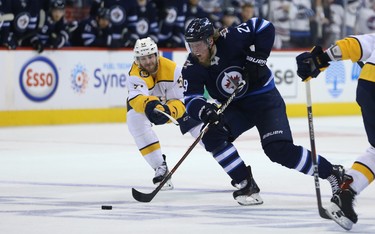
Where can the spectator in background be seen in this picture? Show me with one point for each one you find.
(94, 31)
(366, 18)
(343, 19)
(172, 22)
(214, 10)
(24, 28)
(55, 33)
(123, 16)
(229, 18)
(321, 23)
(147, 24)
(5, 8)
(247, 12)
(194, 10)
(300, 31)
(281, 13)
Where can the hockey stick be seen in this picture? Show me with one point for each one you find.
(147, 197)
(322, 211)
(7, 17)
(173, 120)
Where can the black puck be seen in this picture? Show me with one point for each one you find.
(106, 207)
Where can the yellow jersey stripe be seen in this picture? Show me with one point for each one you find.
(150, 148)
(363, 169)
(350, 49)
(368, 72)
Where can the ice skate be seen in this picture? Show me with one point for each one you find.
(335, 179)
(160, 173)
(248, 191)
(341, 208)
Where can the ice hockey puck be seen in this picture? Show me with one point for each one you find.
(106, 207)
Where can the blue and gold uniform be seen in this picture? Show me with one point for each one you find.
(165, 86)
(154, 82)
(361, 49)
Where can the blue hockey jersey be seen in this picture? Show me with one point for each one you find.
(235, 49)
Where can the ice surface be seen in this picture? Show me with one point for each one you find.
(54, 179)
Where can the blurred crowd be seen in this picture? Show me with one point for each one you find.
(119, 23)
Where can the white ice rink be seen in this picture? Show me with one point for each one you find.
(54, 179)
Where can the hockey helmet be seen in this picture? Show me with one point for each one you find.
(145, 46)
(57, 4)
(199, 29)
(103, 13)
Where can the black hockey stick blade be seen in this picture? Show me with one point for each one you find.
(143, 197)
(323, 213)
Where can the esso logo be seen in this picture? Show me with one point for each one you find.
(39, 79)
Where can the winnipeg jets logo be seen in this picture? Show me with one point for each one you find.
(232, 81)
(228, 80)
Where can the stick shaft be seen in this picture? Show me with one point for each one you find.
(314, 159)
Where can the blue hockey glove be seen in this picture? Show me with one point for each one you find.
(208, 114)
(310, 64)
(187, 123)
(156, 117)
(255, 67)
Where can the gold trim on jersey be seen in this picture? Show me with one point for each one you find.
(350, 48)
(363, 169)
(368, 72)
(177, 108)
(139, 102)
(150, 148)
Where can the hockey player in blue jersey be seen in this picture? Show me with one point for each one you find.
(123, 15)
(55, 33)
(147, 24)
(218, 60)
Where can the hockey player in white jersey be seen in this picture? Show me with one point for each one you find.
(155, 82)
(362, 172)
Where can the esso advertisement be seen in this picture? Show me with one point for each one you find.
(39, 79)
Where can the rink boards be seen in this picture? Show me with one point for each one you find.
(88, 86)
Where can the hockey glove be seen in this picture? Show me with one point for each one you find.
(255, 67)
(208, 114)
(310, 64)
(38, 46)
(11, 43)
(154, 116)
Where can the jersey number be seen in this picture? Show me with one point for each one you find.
(243, 28)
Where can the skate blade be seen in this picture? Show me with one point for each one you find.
(336, 214)
(253, 199)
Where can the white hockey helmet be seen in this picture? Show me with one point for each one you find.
(145, 46)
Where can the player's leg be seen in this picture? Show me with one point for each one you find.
(218, 140)
(362, 172)
(277, 142)
(149, 146)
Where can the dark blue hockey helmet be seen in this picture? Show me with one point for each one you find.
(199, 29)
(57, 4)
(103, 13)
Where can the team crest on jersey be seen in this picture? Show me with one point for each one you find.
(144, 73)
(118, 15)
(228, 81)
